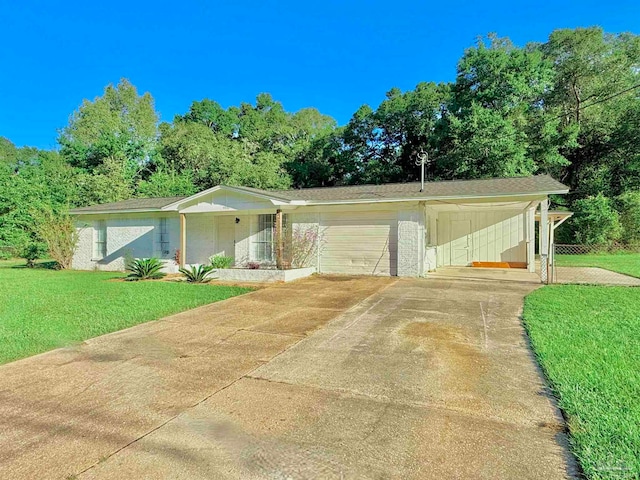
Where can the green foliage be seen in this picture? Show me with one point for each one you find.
(198, 274)
(628, 204)
(60, 235)
(595, 221)
(145, 269)
(113, 138)
(221, 261)
(32, 252)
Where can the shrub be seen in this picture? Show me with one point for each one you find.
(32, 252)
(595, 222)
(301, 246)
(221, 261)
(199, 274)
(628, 205)
(59, 233)
(253, 265)
(145, 269)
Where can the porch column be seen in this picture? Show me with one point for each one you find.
(279, 242)
(544, 241)
(531, 239)
(183, 239)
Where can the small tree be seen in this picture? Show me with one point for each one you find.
(32, 252)
(59, 233)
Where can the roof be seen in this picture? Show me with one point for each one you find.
(494, 187)
(131, 205)
(450, 189)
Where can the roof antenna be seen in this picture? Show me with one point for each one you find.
(423, 158)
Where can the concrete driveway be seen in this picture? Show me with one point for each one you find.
(332, 377)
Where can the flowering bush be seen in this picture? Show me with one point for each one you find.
(301, 247)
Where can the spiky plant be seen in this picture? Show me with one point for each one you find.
(144, 269)
(199, 274)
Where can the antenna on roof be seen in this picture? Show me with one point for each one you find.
(423, 158)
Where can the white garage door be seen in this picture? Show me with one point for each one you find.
(359, 243)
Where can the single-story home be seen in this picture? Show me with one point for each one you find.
(392, 229)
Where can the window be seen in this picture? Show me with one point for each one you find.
(100, 240)
(163, 238)
(264, 238)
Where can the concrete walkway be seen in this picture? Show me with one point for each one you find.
(412, 379)
(594, 276)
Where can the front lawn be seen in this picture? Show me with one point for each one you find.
(587, 339)
(628, 263)
(43, 309)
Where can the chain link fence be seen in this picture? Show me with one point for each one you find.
(594, 264)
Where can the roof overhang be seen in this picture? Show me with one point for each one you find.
(275, 199)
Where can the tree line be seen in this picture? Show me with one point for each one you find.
(569, 107)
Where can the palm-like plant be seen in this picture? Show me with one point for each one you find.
(199, 274)
(144, 269)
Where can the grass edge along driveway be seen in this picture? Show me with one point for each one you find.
(587, 340)
(43, 309)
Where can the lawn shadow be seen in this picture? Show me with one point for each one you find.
(46, 265)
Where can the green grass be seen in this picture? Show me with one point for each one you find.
(587, 339)
(42, 309)
(628, 263)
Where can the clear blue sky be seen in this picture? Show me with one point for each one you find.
(333, 55)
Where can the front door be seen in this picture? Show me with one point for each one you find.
(225, 235)
(460, 242)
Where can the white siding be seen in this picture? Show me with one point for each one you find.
(362, 242)
(495, 236)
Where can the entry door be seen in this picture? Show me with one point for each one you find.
(225, 235)
(460, 242)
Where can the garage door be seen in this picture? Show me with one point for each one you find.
(359, 243)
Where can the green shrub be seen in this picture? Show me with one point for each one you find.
(32, 252)
(199, 274)
(145, 269)
(628, 205)
(595, 221)
(221, 261)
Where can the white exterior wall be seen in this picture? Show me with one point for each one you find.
(200, 238)
(496, 236)
(135, 235)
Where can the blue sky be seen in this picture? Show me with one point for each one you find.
(331, 55)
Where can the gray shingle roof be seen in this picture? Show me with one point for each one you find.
(538, 184)
(493, 187)
(130, 205)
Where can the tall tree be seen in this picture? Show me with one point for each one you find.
(113, 139)
(497, 123)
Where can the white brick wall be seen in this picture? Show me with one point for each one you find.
(410, 243)
(129, 235)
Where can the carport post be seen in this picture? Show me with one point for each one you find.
(183, 239)
(544, 241)
(530, 217)
(279, 240)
